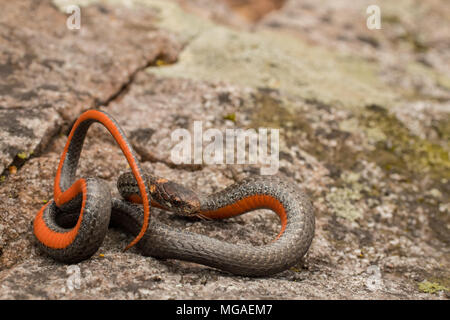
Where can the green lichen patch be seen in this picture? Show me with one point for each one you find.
(268, 108)
(386, 140)
(266, 59)
(371, 135)
(230, 116)
(24, 155)
(438, 78)
(271, 111)
(431, 287)
(343, 200)
(398, 150)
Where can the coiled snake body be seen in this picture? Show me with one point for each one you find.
(72, 227)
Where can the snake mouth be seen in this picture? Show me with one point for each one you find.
(201, 216)
(185, 207)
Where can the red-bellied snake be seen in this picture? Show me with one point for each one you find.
(72, 226)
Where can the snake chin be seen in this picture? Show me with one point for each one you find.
(186, 208)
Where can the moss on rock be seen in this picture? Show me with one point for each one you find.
(431, 287)
(398, 150)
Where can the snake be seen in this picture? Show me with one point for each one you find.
(71, 227)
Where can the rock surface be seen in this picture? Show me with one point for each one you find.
(364, 130)
(49, 73)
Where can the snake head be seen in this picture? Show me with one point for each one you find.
(175, 197)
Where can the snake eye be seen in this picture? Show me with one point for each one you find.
(176, 201)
